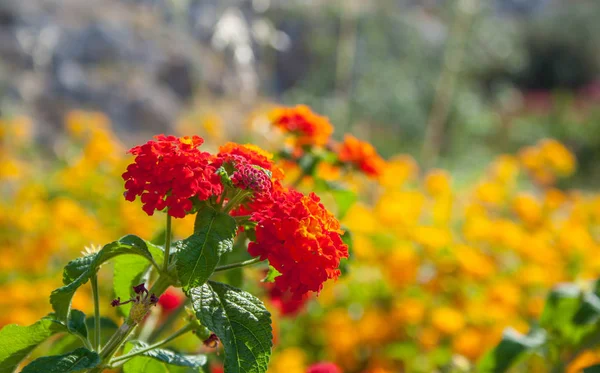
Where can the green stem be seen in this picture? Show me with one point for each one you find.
(238, 265)
(233, 202)
(113, 344)
(167, 243)
(121, 335)
(95, 295)
(124, 358)
(160, 285)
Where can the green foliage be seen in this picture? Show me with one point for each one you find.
(512, 347)
(73, 361)
(344, 199)
(147, 364)
(69, 342)
(592, 369)
(567, 314)
(169, 357)
(16, 342)
(570, 320)
(77, 324)
(240, 320)
(79, 271)
(271, 275)
(198, 255)
(130, 270)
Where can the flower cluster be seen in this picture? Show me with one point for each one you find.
(547, 160)
(298, 236)
(301, 239)
(361, 155)
(315, 151)
(307, 127)
(168, 173)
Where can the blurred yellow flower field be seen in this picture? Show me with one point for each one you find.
(439, 266)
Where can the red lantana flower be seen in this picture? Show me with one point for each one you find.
(168, 172)
(362, 155)
(284, 301)
(254, 155)
(301, 239)
(308, 127)
(250, 163)
(324, 367)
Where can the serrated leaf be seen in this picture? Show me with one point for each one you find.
(198, 255)
(73, 361)
(169, 357)
(76, 268)
(241, 322)
(86, 267)
(129, 271)
(512, 346)
(143, 364)
(76, 324)
(16, 342)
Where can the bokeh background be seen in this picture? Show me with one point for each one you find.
(478, 215)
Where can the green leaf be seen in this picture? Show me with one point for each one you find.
(344, 199)
(73, 361)
(144, 364)
(512, 346)
(592, 369)
(561, 305)
(141, 364)
(589, 310)
(107, 327)
(169, 357)
(64, 343)
(568, 315)
(76, 268)
(271, 275)
(240, 320)
(85, 267)
(76, 324)
(16, 342)
(349, 241)
(129, 271)
(198, 255)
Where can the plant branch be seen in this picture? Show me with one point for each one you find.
(123, 358)
(238, 265)
(167, 244)
(96, 297)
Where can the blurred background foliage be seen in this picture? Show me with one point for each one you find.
(490, 75)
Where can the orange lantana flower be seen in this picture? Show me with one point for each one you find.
(308, 127)
(362, 155)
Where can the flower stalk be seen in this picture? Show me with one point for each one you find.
(238, 265)
(119, 360)
(96, 297)
(167, 244)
